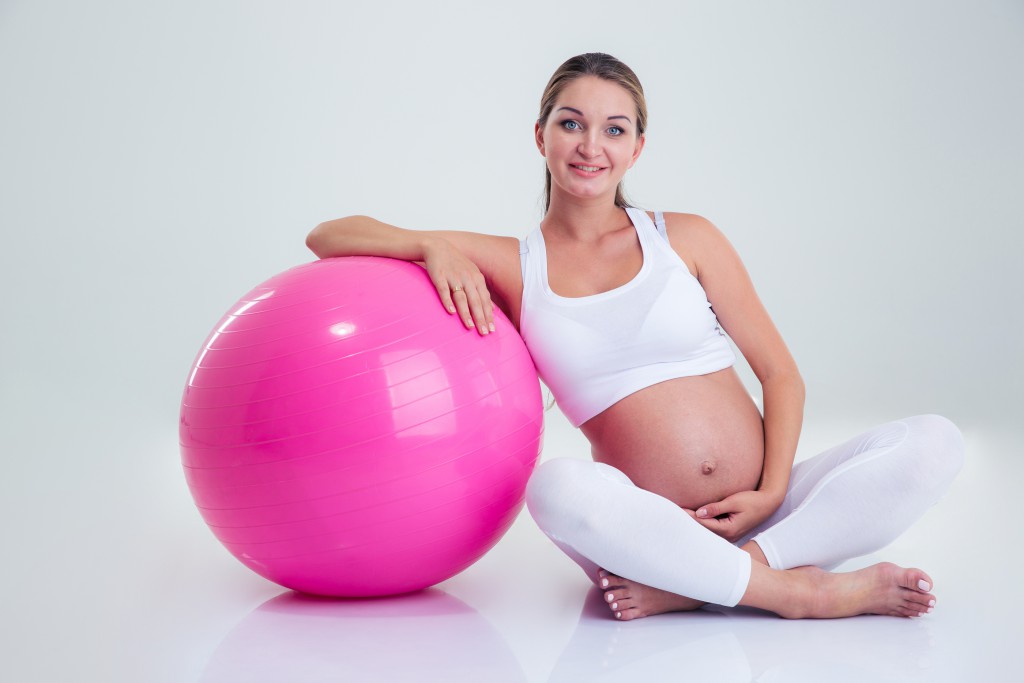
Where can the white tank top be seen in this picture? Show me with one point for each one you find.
(593, 351)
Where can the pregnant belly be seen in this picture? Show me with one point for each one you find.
(693, 440)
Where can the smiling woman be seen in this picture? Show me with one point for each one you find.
(599, 73)
(693, 496)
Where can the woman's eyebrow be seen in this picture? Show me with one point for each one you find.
(579, 113)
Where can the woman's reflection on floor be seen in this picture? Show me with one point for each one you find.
(726, 645)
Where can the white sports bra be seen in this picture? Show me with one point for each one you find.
(593, 351)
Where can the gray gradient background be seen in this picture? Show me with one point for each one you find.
(157, 160)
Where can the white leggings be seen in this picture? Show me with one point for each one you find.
(845, 502)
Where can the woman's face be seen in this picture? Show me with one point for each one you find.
(590, 139)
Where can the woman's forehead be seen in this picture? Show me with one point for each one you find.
(593, 96)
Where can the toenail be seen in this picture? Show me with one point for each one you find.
(604, 583)
(615, 605)
(924, 585)
(931, 603)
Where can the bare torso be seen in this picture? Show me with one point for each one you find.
(693, 440)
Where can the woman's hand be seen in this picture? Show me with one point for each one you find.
(460, 284)
(734, 516)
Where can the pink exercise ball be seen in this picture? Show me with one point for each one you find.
(343, 435)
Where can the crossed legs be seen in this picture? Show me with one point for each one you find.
(845, 502)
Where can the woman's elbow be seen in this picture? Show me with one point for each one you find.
(321, 238)
(788, 377)
(314, 240)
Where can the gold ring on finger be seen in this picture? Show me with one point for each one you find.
(457, 288)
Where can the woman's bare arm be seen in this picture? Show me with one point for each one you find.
(457, 262)
(365, 236)
(743, 316)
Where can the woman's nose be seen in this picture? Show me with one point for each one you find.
(589, 145)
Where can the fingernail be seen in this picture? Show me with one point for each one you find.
(615, 605)
(618, 615)
(931, 603)
(920, 614)
(451, 309)
(604, 583)
(610, 597)
(702, 512)
(930, 610)
(491, 325)
(924, 585)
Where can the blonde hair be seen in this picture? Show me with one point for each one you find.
(603, 66)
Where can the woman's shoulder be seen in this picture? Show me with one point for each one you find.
(694, 230)
(680, 222)
(694, 238)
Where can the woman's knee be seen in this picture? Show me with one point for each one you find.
(551, 487)
(564, 495)
(940, 444)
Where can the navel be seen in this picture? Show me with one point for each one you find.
(707, 467)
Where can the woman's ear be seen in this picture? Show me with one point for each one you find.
(639, 148)
(538, 135)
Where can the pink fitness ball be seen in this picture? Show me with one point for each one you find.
(343, 435)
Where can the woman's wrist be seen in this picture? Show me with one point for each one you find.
(776, 493)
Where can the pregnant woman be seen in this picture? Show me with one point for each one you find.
(692, 496)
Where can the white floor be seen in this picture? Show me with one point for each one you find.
(112, 576)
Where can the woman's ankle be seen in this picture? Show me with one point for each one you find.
(755, 552)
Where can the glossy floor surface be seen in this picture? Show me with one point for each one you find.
(115, 578)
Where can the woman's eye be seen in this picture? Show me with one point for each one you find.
(570, 125)
(615, 130)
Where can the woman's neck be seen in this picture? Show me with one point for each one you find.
(586, 220)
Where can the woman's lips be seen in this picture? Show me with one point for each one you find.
(586, 170)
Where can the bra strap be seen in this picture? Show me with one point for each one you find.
(659, 223)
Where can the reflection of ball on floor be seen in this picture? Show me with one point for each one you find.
(343, 435)
(428, 637)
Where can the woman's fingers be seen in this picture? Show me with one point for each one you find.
(474, 306)
(462, 288)
(711, 510)
(444, 290)
(481, 307)
(461, 299)
(724, 527)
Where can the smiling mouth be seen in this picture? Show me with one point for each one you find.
(588, 169)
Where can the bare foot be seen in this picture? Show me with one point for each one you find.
(883, 588)
(631, 600)
(807, 593)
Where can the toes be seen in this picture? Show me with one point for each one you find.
(627, 614)
(914, 609)
(622, 604)
(616, 595)
(908, 610)
(916, 580)
(921, 600)
(610, 581)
